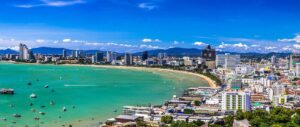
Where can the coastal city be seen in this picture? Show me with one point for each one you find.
(243, 92)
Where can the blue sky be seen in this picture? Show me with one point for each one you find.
(136, 25)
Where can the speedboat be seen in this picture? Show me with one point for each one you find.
(46, 86)
(33, 95)
(42, 113)
(51, 102)
(16, 115)
(64, 109)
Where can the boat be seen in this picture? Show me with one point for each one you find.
(36, 118)
(16, 115)
(7, 91)
(42, 113)
(46, 86)
(51, 102)
(3, 119)
(64, 109)
(33, 95)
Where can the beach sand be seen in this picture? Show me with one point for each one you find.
(209, 81)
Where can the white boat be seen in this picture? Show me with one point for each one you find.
(33, 95)
(46, 86)
(64, 109)
(42, 113)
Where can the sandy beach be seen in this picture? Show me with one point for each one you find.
(209, 81)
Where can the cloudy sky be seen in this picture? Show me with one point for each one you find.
(136, 25)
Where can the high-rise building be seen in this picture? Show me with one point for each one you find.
(162, 55)
(128, 59)
(227, 61)
(24, 52)
(293, 59)
(145, 55)
(273, 60)
(208, 54)
(232, 101)
(64, 53)
(74, 53)
(298, 70)
(98, 57)
(110, 56)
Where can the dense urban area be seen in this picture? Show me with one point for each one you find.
(252, 92)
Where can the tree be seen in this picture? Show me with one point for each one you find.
(197, 103)
(296, 119)
(239, 115)
(228, 120)
(188, 111)
(167, 119)
(183, 124)
(198, 123)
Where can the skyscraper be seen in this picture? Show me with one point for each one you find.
(24, 52)
(227, 61)
(145, 55)
(110, 56)
(99, 57)
(64, 53)
(128, 59)
(208, 54)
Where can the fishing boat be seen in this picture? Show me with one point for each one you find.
(33, 95)
(51, 102)
(16, 115)
(64, 109)
(7, 91)
(36, 118)
(42, 113)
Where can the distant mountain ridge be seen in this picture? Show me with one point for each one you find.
(179, 52)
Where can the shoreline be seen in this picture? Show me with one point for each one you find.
(210, 82)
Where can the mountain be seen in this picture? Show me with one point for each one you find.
(8, 51)
(58, 51)
(174, 52)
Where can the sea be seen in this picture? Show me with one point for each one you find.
(90, 95)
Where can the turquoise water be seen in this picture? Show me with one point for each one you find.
(90, 94)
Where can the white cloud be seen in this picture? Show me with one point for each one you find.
(52, 3)
(241, 45)
(296, 46)
(149, 47)
(199, 43)
(148, 40)
(40, 40)
(270, 47)
(147, 6)
(67, 40)
(295, 39)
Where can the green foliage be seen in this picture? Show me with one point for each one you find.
(183, 124)
(167, 119)
(188, 111)
(228, 120)
(296, 119)
(198, 123)
(239, 115)
(197, 103)
(278, 117)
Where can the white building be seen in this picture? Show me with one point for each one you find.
(227, 61)
(297, 70)
(110, 56)
(232, 101)
(24, 52)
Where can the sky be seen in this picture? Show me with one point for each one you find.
(137, 25)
